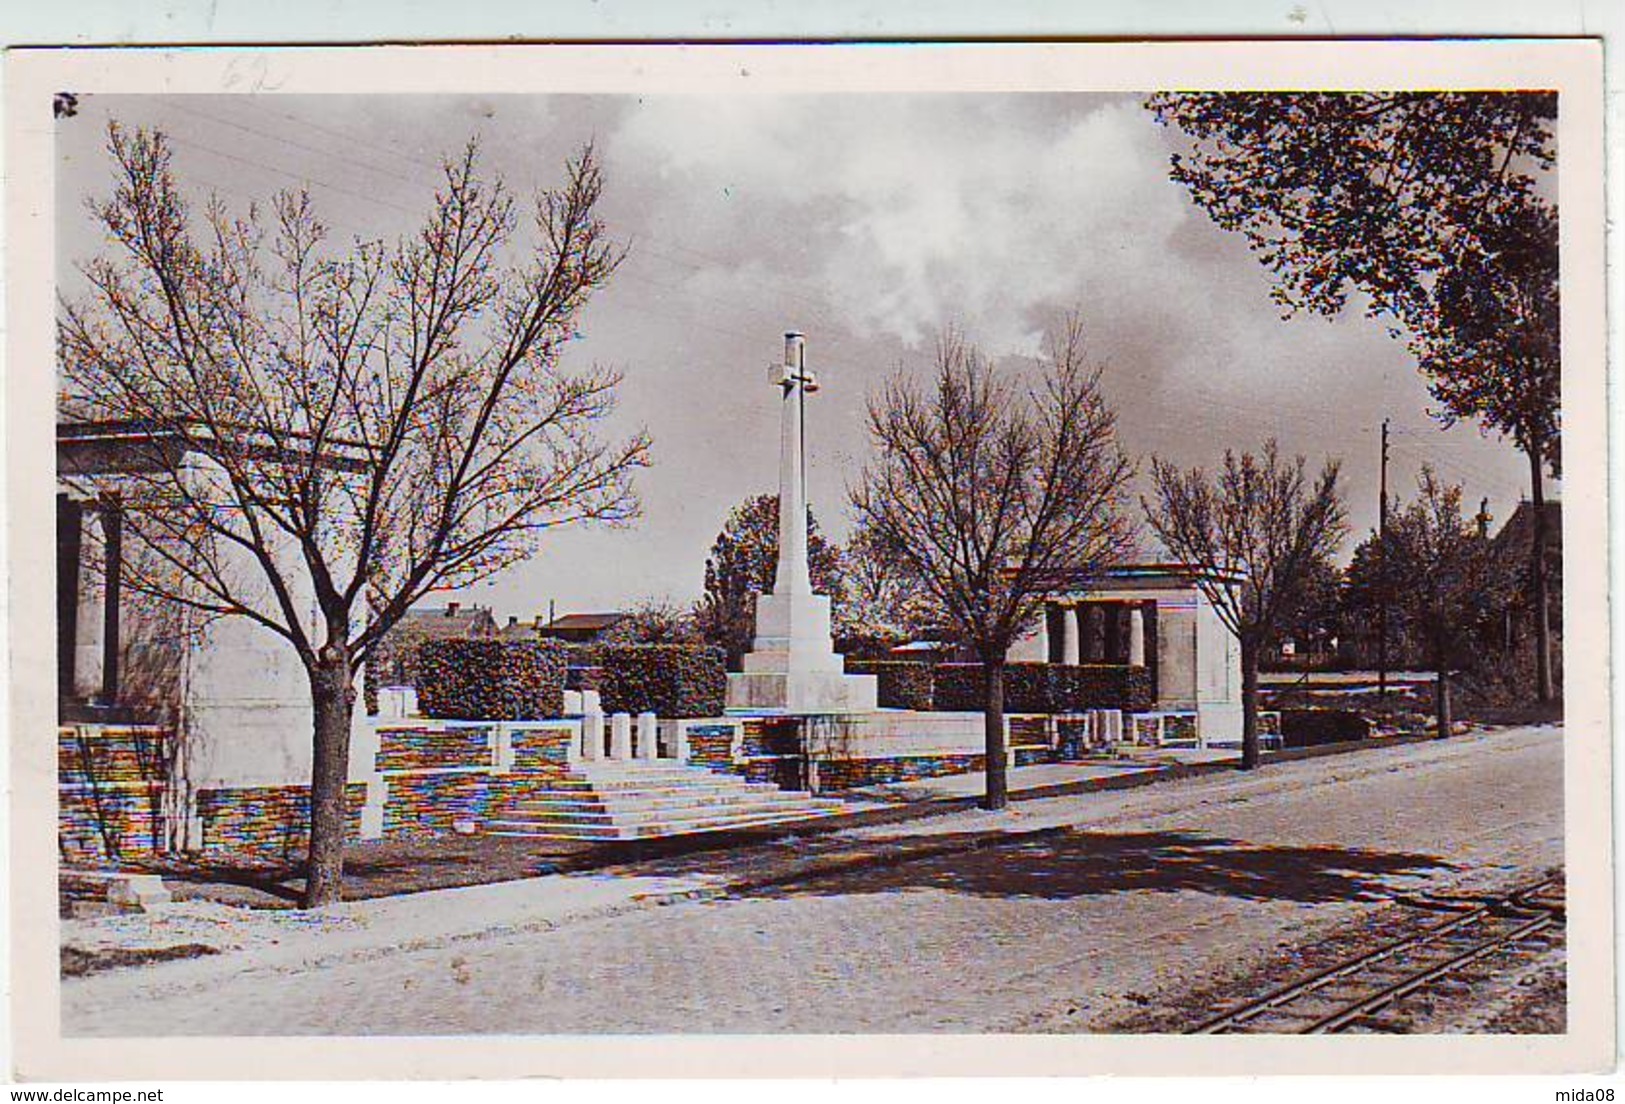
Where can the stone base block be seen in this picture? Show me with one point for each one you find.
(792, 635)
(803, 692)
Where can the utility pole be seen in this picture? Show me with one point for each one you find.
(1382, 572)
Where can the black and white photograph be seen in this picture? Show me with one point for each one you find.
(777, 543)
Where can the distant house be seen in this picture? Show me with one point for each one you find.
(1511, 546)
(517, 630)
(393, 661)
(580, 628)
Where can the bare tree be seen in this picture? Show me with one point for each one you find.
(884, 604)
(366, 425)
(988, 495)
(1255, 529)
(655, 621)
(1453, 585)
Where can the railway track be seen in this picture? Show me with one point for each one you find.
(1353, 995)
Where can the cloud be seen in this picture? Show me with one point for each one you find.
(911, 212)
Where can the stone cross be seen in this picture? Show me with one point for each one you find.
(796, 383)
(792, 666)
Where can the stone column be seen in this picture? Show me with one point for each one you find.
(1136, 635)
(112, 589)
(1092, 626)
(1069, 638)
(90, 616)
(68, 544)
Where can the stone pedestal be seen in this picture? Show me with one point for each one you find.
(793, 665)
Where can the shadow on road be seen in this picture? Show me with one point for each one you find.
(1058, 866)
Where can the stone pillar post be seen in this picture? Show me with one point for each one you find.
(648, 736)
(620, 736)
(1136, 635)
(1069, 638)
(592, 736)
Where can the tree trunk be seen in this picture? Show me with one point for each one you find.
(1545, 688)
(333, 698)
(1249, 704)
(998, 784)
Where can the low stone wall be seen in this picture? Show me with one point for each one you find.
(270, 821)
(109, 824)
(433, 775)
(711, 743)
(111, 786)
(541, 748)
(848, 774)
(426, 805)
(829, 754)
(433, 745)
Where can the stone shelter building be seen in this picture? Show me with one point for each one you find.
(1153, 615)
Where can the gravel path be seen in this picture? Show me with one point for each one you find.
(1155, 892)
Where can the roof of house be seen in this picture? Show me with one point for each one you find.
(585, 621)
(444, 622)
(516, 629)
(1517, 531)
(1129, 574)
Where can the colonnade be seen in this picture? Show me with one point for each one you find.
(1098, 631)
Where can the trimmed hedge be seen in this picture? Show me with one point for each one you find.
(1101, 686)
(671, 680)
(903, 684)
(1313, 727)
(491, 680)
(1045, 687)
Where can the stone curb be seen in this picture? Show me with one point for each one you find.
(629, 852)
(942, 806)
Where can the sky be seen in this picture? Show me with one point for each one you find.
(869, 223)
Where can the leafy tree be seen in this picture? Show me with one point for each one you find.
(1366, 582)
(1494, 353)
(885, 605)
(990, 496)
(1257, 528)
(1432, 204)
(744, 563)
(1453, 588)
(1311, 615)
(364, 425)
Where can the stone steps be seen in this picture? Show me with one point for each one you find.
(652, 830)
(633, 803)
(624, 800)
